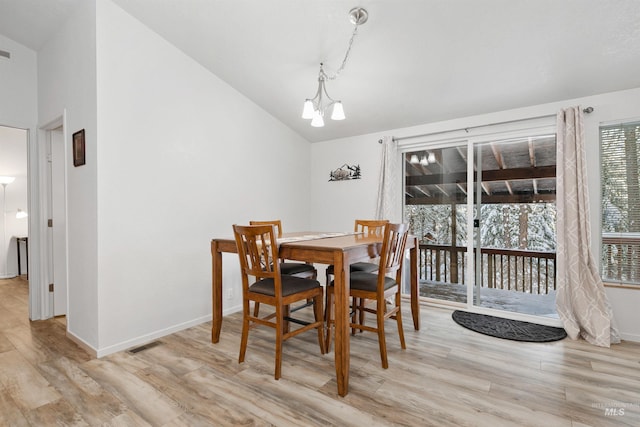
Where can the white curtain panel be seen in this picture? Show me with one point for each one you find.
(389, 185)
(581, 300)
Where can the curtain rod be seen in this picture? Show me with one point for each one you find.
(587, 110)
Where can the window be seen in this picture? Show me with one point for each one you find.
(620, 169)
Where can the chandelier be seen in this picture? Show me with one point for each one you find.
(316, 107)
(424, 160)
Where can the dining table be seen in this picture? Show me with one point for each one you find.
(339, 249)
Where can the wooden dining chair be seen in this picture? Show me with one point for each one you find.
(299, 269)
(257, 248)
(369, 227)
(378, 287)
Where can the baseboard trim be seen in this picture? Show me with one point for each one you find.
(83, 345)
(629, 337)
(144, 339)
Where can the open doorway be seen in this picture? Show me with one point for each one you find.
(14, 228)
(35, 247)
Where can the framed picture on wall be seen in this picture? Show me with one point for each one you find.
(78, 148)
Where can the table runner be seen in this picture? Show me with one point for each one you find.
(314, 236)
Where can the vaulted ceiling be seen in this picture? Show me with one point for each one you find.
(413, 62)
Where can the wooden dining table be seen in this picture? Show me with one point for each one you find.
(338, 249)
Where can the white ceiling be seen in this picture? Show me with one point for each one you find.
(413, 62)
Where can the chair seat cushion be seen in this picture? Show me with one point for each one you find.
(290, 286)
(368, 267)
(295, 267)
(363, 281)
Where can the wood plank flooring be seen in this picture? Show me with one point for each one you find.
(447, 376)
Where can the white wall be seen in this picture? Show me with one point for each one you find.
(67, 82)
(359, 197)
(181, 157)
(336, 204)
(19, 109)
(18, 85)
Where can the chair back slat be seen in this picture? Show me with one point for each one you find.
(370, 227)
(276, 222)
(393, 245)
(257, 248)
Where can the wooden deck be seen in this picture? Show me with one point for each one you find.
(520, 302)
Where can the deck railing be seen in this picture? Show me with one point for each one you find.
(511, 269)
(621, 257)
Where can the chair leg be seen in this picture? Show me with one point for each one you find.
(279, 333)
(326, 287)
(319, 316)
(328, 320)
(256, 309)
(381, 341)
(245, 332)
(285, 323)
(355, 306)
(399, 321)
(363, 302)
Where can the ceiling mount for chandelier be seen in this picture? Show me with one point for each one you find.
(315, 108)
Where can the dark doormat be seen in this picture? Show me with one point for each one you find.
(515, 330)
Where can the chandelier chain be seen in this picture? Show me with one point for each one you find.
(315, 108)
(344, 61)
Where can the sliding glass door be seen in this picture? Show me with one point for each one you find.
(514, 236)
(436, 210)
(500, 195)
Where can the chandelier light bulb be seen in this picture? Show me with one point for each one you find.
(424, 161)
(307, 111)
(317, 121)
(338, 111)
(21, 214)
(414, 159)
(432, 157)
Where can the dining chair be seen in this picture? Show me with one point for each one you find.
(369, 227)
(378, 287)
(299, 269)
(257, 248)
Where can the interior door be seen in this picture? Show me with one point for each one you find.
(57, 261)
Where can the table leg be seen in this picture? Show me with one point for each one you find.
(216, 292)
(341, 310)
(415, 297)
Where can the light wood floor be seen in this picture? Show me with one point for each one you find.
(448, 376)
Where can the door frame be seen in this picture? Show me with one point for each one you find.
(441, 140)
(472, 142)
(40, 299)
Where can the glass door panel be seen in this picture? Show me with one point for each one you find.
(435, 207)
(514, 225)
